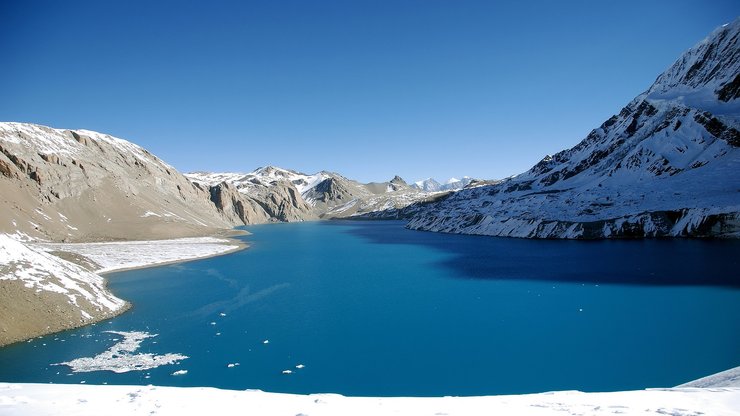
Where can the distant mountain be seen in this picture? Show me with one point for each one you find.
(320, 195)
(431, 185)
(428, 185)
(454, 183)
(666, 165)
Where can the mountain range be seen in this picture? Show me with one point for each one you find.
(321, 195)
(80, 185)
(665, 165)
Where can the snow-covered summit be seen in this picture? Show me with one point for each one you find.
(263, 176)
(427, 185)
(708, 74)
(431, 185)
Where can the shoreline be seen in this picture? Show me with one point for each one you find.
(17, 329)
(240, 245)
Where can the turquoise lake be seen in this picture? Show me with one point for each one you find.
(371, 308)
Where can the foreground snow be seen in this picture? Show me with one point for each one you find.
(132, 254)
(46, 399)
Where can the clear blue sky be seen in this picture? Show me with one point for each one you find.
(365, 88)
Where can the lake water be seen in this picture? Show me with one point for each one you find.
(373, 309)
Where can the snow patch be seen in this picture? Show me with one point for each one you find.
(130, 254)
(120, 358)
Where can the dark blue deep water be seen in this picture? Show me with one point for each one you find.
(373, 309)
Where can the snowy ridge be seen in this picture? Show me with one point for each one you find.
(664, 166)
(46, 140)
(49, 140)
(263, 176)
(124, 146)
(44, 272)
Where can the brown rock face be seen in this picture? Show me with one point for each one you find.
(65, 185)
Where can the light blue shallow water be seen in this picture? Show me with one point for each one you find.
(373, 309)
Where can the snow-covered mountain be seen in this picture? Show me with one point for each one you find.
(431, 185)
(666, 165)
(427, 185)
(320, 195)
(454, 183)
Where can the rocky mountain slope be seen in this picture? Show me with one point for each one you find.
(79, 185)
(321, 195)
(666, 165)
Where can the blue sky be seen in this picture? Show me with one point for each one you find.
(369, 89)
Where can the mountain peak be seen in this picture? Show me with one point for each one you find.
(398, 180)
(708, 71)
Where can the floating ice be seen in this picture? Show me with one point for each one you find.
(267, 341)
(287, 371)
(232, 365)
(180, 373)
(120, 358)
(299, 366)
(222, 314)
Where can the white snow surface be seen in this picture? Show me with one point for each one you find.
(44, 272)
(121, 357)
(66, 399)
(113, 256)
